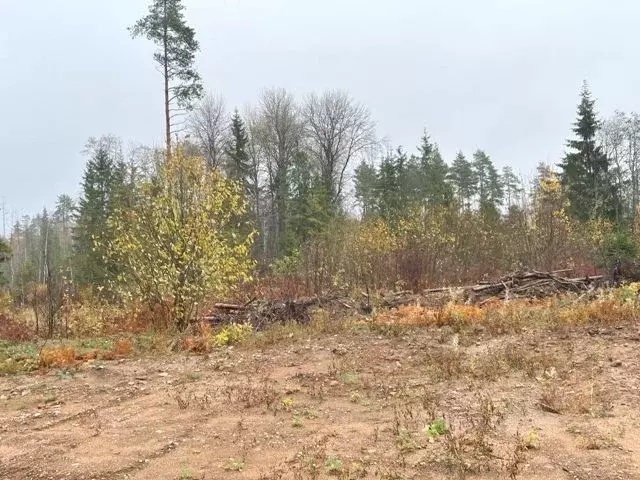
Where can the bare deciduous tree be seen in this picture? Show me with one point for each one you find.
(619, 137)
(277, 130)
(209, 124)
(338, 129)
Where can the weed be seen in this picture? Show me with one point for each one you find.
(50, 398)
(355, 397)
(405, 441)
(310, 414)
(593, 400)
(235, 465)
(456, 454)
(183, 400)
(333, 465)
(530, 440)
(65, 374)
(517, 456)
(251, 394)
(185, 473)
(356, 470)
(297, 422)
(14, 330)
(447, 363)
(313, 457)
(591, 439)
(232, 334)
(436, 428)
(350, 378)
(551, 399)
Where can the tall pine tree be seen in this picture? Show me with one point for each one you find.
(585, 172)
(488, 183)
(166, 27)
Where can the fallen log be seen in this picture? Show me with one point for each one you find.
(228, 306)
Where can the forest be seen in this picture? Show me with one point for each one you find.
(300, 192)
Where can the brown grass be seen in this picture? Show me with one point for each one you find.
(122, 347)
(57, 357)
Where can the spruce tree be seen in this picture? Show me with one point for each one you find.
(365, 188)
(433, 172)
(585, 174)
(5, 253)
(388, 188)
(101, 191)
(238, 164)
(308, 205)
(463, 180)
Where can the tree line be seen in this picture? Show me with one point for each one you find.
(302, 188)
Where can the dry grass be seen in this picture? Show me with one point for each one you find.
(587, 398)
(58, 357)
(607, 308)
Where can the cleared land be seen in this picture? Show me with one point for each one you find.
(351, 402)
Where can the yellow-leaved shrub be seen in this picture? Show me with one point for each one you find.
(181, 239)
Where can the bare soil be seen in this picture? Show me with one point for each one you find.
(352, 404)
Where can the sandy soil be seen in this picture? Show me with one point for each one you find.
(537, 405)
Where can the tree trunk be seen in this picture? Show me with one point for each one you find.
(167, 115)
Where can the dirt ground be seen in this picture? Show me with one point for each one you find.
(352, 404)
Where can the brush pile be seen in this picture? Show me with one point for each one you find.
(261, 313)
(516, 285)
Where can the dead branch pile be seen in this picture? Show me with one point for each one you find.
(516, 285)
(260, 314)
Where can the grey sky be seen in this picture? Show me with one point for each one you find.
(501, 75)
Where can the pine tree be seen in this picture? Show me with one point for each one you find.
(63, 216)
(463, 180)
(165, 26)
(511, 185)
(488, 183)
(585, 174)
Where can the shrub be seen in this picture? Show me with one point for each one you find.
(232, 334)
(122, 347)
(180, 241)
(57, 357)
(14, 330)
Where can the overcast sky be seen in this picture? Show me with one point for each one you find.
(501, 75)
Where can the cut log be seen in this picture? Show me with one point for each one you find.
(228, 306)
